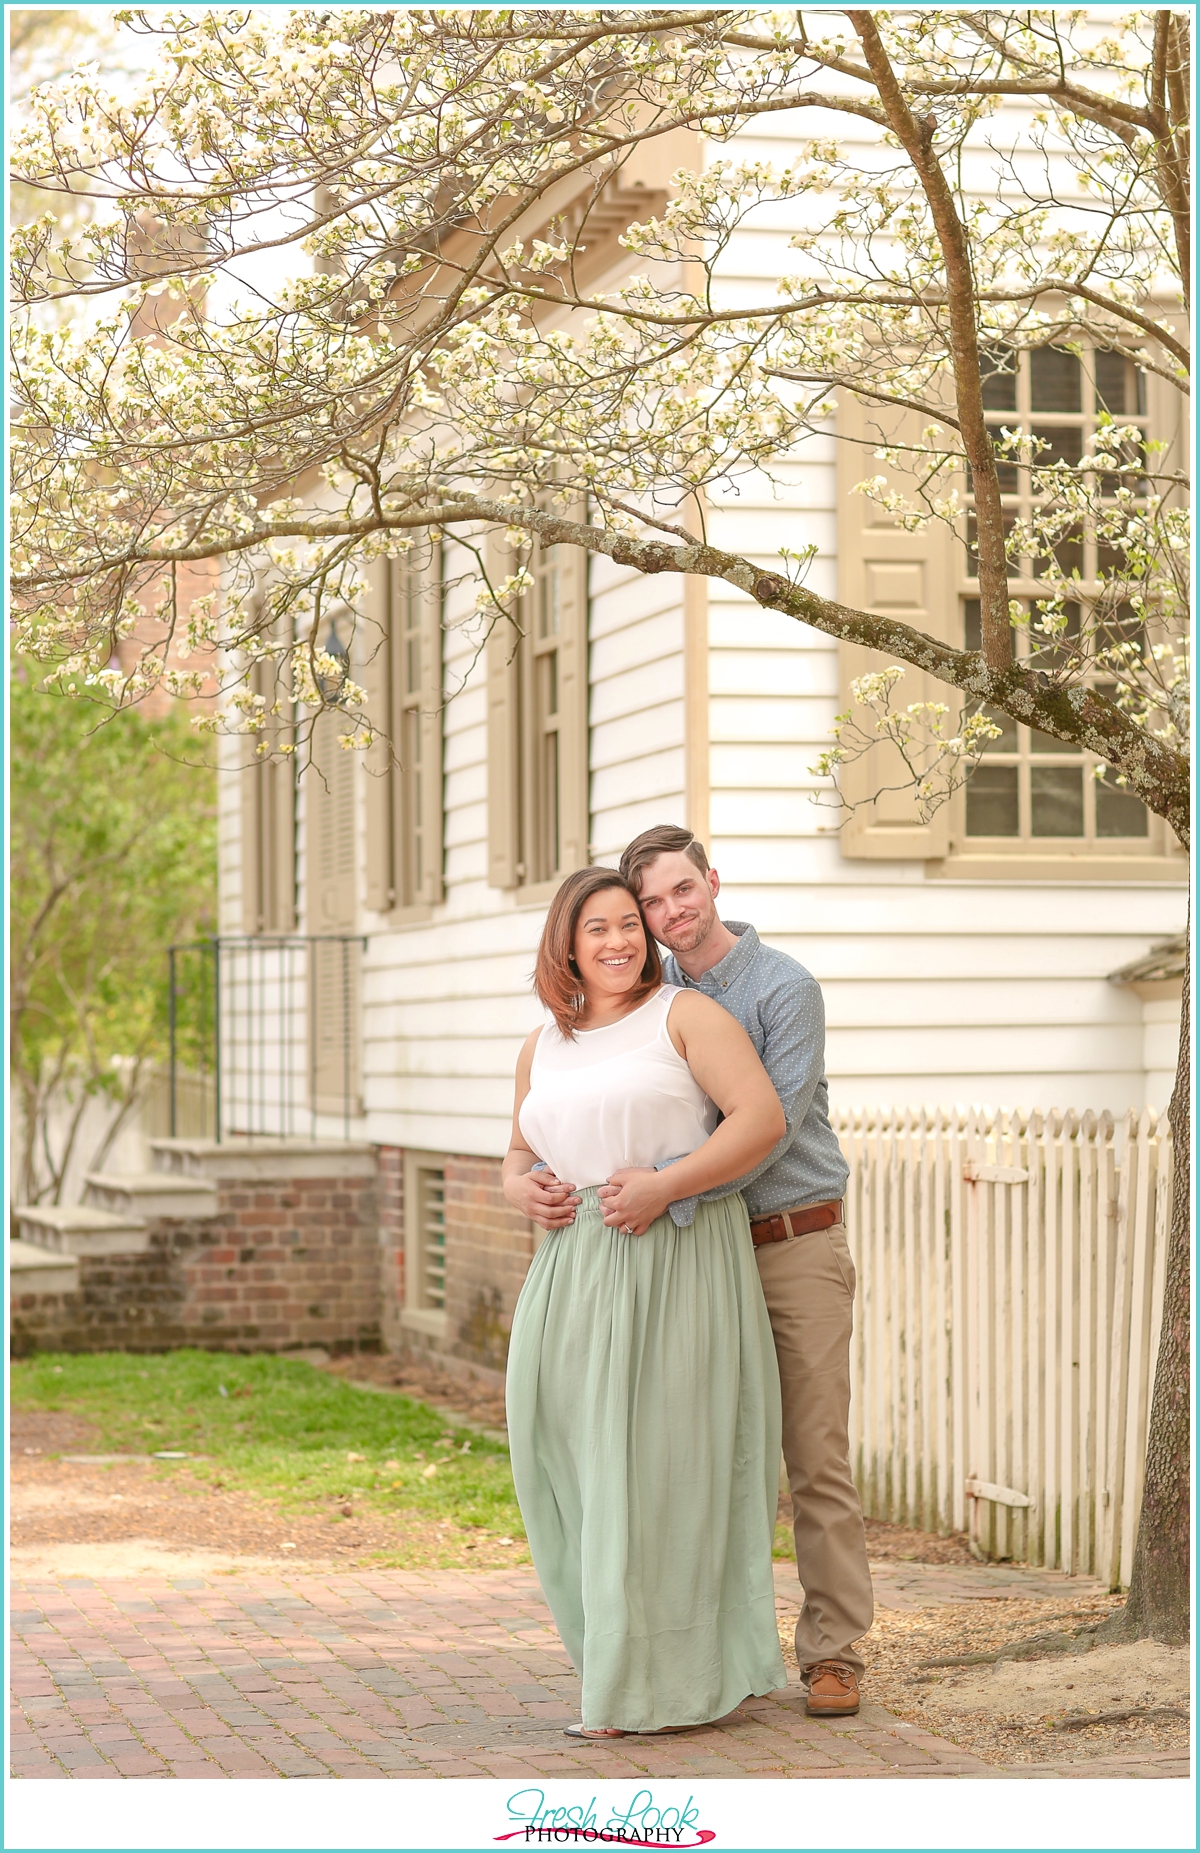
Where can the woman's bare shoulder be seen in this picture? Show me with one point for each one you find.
(691, 1014)
(694, 1007)
(529, 1045)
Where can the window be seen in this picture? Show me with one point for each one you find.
(1031, 799)
(1033, 787)
(1030, 790)
(537, 727)
(1058, 398)
(402, 649)
(269, 819)
(424, 1242)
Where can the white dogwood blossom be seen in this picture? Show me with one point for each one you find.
(352, 276)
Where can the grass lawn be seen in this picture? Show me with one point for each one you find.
(285, 1431)
(282, 1430)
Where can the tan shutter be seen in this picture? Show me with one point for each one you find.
(269, 822)
(427, 885)
(334, 978)
(573, 789)
(376, 673)
(403, 677)
(883, 569)
(503, 740)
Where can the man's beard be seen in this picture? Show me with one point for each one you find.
(687, 937)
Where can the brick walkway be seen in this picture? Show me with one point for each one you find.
(408, 1674)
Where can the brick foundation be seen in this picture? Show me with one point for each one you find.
(282, 1265)
(292, 1260)
(488, 1251)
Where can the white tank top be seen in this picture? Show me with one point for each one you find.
(616, 1096)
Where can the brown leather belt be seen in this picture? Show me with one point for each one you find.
(786, 1224)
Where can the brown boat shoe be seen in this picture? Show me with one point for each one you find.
(832, 1690)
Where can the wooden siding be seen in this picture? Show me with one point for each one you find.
(448, 1002)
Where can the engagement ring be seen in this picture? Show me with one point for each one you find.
(626, 1229)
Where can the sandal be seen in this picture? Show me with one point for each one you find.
(665, 1730)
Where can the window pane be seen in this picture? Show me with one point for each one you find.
(972, 625)
(992, 808)
(549, 846)
(1119, 813)
(1112, 372)
(1111, 562)
(1068, 552)
(548, 595)
(999, 367)
(1057, 800)
(1065, 443)
(1121, 628)
(1054, 381)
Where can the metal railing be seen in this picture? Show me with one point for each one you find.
(273, 1023)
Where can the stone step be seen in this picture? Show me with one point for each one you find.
(34, 1269)
(150, 1194)
(247, 1160)
(79, 1229)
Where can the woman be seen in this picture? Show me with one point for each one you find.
(643, 1392)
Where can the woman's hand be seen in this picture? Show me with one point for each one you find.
(542, 1197)
(632, 1199)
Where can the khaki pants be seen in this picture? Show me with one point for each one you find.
(809, 1285)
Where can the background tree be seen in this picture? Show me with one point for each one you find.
(391, 327)
(113, 856)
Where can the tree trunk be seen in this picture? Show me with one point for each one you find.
(1158, 1605)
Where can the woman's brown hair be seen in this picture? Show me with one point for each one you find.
(555, 980)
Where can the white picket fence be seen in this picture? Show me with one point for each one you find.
(1010, 1293)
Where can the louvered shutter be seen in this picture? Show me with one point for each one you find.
(883, 569)
(378, 767)
(503, 739)
(335, 979)
(403, 769)
(573, 775)
(268, 811)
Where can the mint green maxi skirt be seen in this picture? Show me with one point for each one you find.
(644, 1429)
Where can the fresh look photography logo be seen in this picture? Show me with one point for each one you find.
(641, 1823)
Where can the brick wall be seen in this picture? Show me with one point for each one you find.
(300, 1261)
(488, 1251)
(282, 1265)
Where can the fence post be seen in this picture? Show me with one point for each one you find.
(1140, 1312)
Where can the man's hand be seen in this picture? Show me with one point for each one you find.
(632, 1199)
(543, 1198)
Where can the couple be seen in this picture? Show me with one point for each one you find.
(648, 1351)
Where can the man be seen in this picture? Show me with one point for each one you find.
(796, 1220)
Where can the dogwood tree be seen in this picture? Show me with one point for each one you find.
(336, 294)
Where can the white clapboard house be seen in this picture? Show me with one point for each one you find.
(380, 925)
